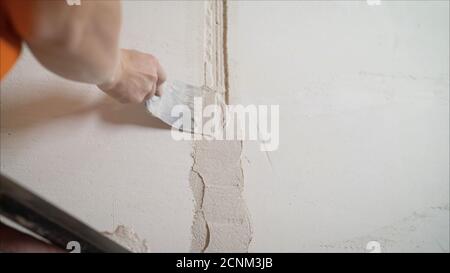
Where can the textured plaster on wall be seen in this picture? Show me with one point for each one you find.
(128, 238)
(221, 220)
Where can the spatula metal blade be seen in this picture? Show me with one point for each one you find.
(174, 93)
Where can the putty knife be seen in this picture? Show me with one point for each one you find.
(174, 93)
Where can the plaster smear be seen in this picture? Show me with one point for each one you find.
(126, 237)
(221, 221)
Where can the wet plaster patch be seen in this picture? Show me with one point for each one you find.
(128, 238)
(221, 220)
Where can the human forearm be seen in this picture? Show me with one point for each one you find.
(76, 42)
(81, 43)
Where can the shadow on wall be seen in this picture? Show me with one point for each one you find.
(52, 106)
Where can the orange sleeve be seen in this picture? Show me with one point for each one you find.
(10, 41)
(10, 47)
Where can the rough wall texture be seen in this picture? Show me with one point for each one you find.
(221, 221)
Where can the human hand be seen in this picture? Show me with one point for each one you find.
(137, 78)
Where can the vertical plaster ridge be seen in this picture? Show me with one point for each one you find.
(221, 220)
(225, 52)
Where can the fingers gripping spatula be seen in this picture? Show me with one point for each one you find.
(174, 93)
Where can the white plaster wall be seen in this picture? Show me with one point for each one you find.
(364, 133)
(104, 162)
(363, 95)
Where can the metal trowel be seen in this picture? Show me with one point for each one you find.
(174, 93)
